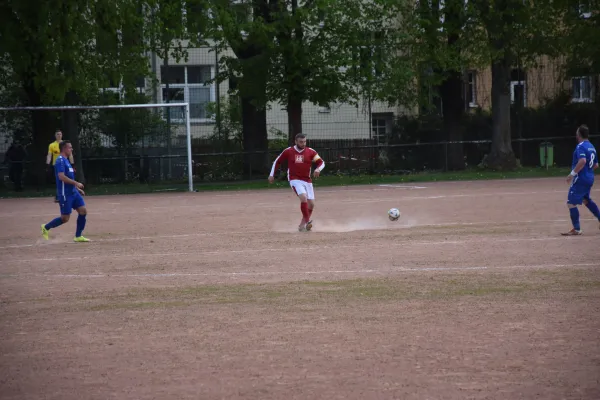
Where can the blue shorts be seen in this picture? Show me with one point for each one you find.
(578, 192)
(70, 203)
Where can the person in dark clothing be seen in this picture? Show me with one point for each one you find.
(15, 157)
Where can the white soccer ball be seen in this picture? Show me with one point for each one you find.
(393, 214)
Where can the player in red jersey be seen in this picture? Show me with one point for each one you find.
(300, 159)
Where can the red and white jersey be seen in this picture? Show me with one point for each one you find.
(299, 163)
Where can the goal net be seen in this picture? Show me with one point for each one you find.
(137, 144)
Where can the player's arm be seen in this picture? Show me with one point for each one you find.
(578, 167)
(276, 165)
(60, 170)
(49, 155)
(320, 165)
(62, 177)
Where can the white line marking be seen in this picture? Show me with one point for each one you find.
(291, 249)
(324, 272)
(200, 234)
(403, 187)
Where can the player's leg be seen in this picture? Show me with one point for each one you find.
(310, 196)
(299, 188)
(65, 214)
(574, 199)
(593, 207)
(304, 211)
(79, 206)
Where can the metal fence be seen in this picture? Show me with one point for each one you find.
(149, 145)
(154, 166)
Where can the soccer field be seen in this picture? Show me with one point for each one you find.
(472, 294)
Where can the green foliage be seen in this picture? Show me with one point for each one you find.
(228, 126)
(53, 48)
(278, 141)
(322, 51)
(173, 25)
(580, 38)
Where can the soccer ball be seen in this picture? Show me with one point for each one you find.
(393, 214)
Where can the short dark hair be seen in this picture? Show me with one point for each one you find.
(57, 130)
(300, 136)
(63, 144)
(584, 131)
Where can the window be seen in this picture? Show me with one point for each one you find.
(584, 8)
(242, 11)
(117, 89)
(518, 88)
(381, 126)
(188, 84)
(471, 89)
(582, 89)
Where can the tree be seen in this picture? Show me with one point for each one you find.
(444, 31)
(580, 43)
(514, 31)
(59, 53)
(245, 27)
(339, 51)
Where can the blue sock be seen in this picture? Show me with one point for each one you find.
(80, 225)
(575, 218)
(593, 208)
(55, 223)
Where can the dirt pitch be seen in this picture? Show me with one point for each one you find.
(471, 295)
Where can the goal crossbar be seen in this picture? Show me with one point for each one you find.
(186, 107)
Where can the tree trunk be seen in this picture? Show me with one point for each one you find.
(294, 112)
(452, 90)
(502, 156)
(43, 124)
(453, 110)
(70, 126)
(254, 127)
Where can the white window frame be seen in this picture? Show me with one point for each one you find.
(186, 91)
(386, 126)
(120, 89)
(582, 6)
(472, 82)
(512, 91)
(582, 99)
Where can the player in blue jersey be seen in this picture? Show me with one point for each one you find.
(69, 193)
(581, 179)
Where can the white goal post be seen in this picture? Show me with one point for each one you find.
(185, 106)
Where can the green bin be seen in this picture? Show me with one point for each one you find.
(546, 154)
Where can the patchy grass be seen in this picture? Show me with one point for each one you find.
(135, 305)
(500, 285)
(311, 293)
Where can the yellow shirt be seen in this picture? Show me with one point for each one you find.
(54, 149)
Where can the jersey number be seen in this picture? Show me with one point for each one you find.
(592, 160)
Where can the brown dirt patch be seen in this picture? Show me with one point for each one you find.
(472, 295)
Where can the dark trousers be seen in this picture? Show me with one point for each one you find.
(15, 173)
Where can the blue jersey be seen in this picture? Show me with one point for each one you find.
(585, 150)
(64, 190)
